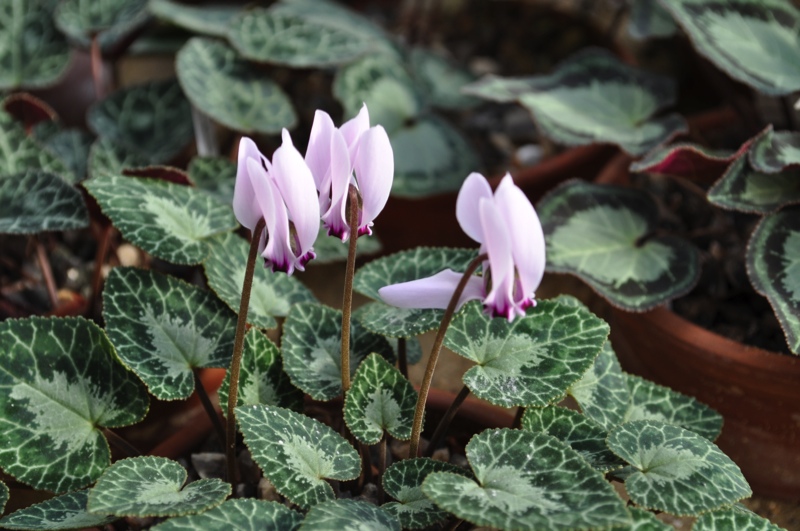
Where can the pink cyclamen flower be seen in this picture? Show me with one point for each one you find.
(283, 193)
(334, 155)
(508, 229)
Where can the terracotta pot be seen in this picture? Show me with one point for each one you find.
(756, 391)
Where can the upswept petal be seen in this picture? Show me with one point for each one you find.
(525, 231)
(318, 154)
(296, 186)
(341, 172)
(354, 128)
(274, 247)
(245, 207)
(374, 167)
(431, 292)
(499, 300)
(474, 189)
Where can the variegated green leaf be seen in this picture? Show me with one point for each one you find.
(430, 157)
(109, 158)
(170, 221)
(206, 19)
(602, 392)
(403, 482)
(441, 79)
(605, 236)
(164, 329)
(648, 20)
(382, 82)
(290, 38)
(70, 146)
(527, 481)
(230, 90)
(332, 249)
(111, 21)
(34, 53)
(403, 267)
(239, 514)
(773, 262)
(153, 120)
(646, 521)
(153, 486)
(676, 470)
(272, 294)
(531, 361)
(60, 384)
(19, 152)
(582, 434)
(766, 59)
(215, 175)
(685, 159)
(380, 400)
(312, 346)
(733, 518)
(63, 512)
(36, 201)
(349, 515)
(297, 453)
(593, 97)
(745, 189)
(774, 151)
(261, 376)
(3, 496)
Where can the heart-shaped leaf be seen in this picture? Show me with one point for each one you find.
(403, 267)
(382, 82)
(744, 189)
(733, 518)
(290, 38)
(35, 54)
(581, 433)
(272, 294)
(36, 201)
(773, 261)
(111, 21)
(170, 221)
(312, 347)
(297, 453)
(63, 512)
(430, 157)
(380, 400)
(685, 159)
(60, 383)
(238, 514)
(215, 175)
(593, 97)
(261, 376)
(774, 151)
(153, 120)
(19, 152)
(153, 486)
(766, 60)
(441, 79)
(230, 90)
(602, 392)
(207, 19)
(70, 146)
(527, 481)
(344, 514)
(605, 236)
(164, 329)
(676, 470)
(648, 20)
(531, 361)
(403, 482)
(646, 521)
(109, 158)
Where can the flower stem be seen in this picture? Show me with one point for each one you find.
(47, 272)
(419, 413)
(236, 359)
(347, 297)
(402, 357)
(441, 429)
(97, 68)
(381, 466)
(99, 260)
(209, 407)
(120, 442)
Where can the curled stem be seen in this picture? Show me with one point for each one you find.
(236, 358)
(347, 297)
(419, 412)
(47, 273)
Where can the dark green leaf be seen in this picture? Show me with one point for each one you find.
(36, 201)
(349, 514)
(241, 514)
(63, 512)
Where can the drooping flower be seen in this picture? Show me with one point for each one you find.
(283, 193)
(354, 154)
(508, 229)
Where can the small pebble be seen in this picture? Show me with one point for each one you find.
(245, 490)
(248, 469)
(129, 255)
(369, 494)
(267, 491)
(529, 154)
(441, 454)
(459, 460)
(210, 465)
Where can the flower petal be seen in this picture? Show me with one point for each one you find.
(245, 207)
(475, 188)
(354, 128)
(500, 299)
(264, 193)
(318, 155)
(525, 231)
(431, 292)
(374, 166)
(335, 219)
